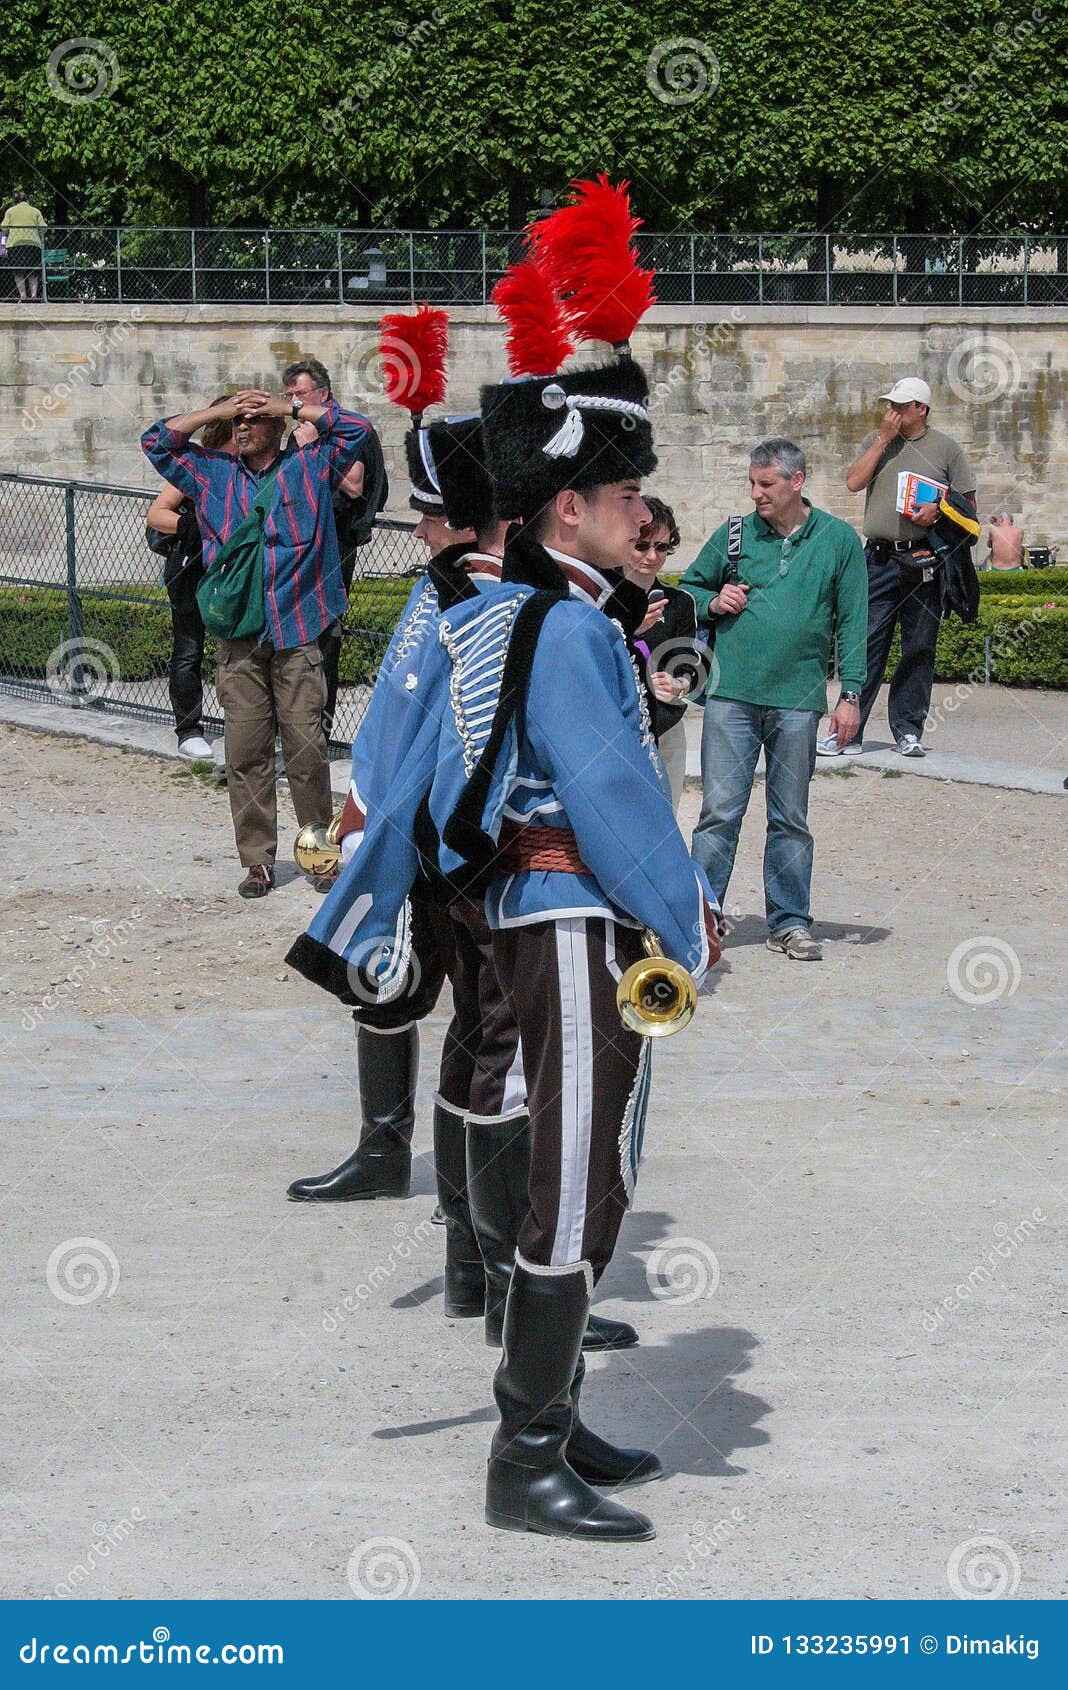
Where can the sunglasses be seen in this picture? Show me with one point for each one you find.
(660, 547)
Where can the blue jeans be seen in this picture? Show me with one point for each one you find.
(731, 739)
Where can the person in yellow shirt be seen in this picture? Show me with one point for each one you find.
(24, 224)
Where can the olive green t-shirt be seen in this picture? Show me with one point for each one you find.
(23, 223)
(934, 455)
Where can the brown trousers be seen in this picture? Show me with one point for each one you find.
(263, 691)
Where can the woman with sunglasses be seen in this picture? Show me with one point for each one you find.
(667, 640)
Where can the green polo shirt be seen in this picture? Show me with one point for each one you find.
(776, 651)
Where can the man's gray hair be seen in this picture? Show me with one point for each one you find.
(307, 367)
(782, 454)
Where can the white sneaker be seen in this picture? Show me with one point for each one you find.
(798, 945)
(196, 748)
(829, 747)
(909, 746)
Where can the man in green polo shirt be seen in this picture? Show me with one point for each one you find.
(773, 600)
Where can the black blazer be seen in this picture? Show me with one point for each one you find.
(672, 647)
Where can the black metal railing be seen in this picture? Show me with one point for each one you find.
(459, 267)
(85, 619)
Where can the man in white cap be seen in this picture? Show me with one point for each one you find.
(902, 466)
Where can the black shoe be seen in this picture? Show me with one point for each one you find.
(604, 1334)
(529, 1485)
(465, 1276)
(381, 1164)
(498, 1169)
(599, 1462)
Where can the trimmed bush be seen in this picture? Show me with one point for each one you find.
(34, 622)
(1028, 644)
(1032, 583)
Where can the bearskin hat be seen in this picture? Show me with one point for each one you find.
(584, 429)
(580, 281)
(448, 474)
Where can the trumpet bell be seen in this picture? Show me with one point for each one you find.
(316, 849)
(656, 997)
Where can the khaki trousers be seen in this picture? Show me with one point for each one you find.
(263, 691)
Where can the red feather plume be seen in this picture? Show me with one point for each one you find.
(537, 340)
(413, 347)
(587, 249)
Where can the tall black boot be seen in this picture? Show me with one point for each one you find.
(596, 1460)
(465, 1276)
(529, 1484)
(381, 1164)
(498, 1169)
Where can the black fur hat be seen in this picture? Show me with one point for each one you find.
(539, 437)
(447, 470)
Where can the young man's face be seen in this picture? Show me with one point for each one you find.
(773, 493)
(606, 522)
(436, 534)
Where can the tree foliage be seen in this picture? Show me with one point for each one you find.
(726, 114)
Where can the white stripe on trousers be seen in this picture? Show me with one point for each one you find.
(576, 1088)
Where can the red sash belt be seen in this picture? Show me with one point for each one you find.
(552, 849)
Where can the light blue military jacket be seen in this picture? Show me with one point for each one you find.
(581, 758)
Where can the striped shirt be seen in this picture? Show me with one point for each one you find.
(303, 589)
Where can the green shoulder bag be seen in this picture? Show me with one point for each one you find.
(231, 597)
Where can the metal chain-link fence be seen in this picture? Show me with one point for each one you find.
(460, 267)
(86, 620)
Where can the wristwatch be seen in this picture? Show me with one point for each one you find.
(849, 698)
(296, 406)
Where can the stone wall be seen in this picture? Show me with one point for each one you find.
(78, 386)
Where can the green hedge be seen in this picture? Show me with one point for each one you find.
(1031, 583)
(1029, 643)
(33, 622)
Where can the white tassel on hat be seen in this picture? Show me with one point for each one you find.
(571, 433)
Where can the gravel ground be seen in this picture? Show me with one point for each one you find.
(843, 1259)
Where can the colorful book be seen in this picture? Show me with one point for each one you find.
(916, 490)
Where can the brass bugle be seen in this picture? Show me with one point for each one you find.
(656, 996)
(317, 849)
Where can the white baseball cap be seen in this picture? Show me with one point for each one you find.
(910, 387)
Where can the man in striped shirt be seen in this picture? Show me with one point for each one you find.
(276, 678)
